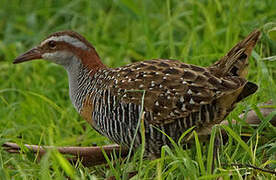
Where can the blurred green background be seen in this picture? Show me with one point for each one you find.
(34, 102)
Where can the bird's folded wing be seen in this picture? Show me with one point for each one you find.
(171, 89)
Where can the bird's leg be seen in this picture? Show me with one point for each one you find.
(89, 156)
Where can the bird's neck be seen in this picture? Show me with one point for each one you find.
(80, 76)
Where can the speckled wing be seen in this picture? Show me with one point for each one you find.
(172, 89)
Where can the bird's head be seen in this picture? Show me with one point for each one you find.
(63, 48)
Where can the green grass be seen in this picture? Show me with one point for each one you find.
(35, 106)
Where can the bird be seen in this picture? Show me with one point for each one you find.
(167, 97)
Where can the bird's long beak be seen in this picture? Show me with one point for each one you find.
(34, 53)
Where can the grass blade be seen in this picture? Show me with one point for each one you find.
(239, 140)
(211, 151)
(199, 154)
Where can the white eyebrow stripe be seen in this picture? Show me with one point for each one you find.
(73, 41)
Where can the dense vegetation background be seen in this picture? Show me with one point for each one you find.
(34, 102)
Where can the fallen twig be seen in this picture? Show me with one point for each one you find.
(89, 156)
(254, 167)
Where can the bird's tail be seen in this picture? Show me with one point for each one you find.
(235, 62)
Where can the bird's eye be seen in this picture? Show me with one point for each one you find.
(52, 44)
